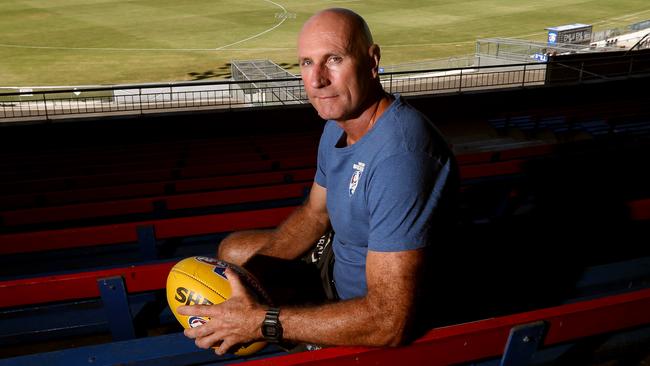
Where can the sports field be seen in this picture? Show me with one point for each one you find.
(83, 42)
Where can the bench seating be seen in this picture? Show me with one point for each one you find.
(514, 339)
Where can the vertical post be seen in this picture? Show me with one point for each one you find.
(116, 307)
(147, 241)
(460, 80)
(582, 66)
(523, 77)
(391, 83)
(523, 343)
(140, 99)
(45, 107)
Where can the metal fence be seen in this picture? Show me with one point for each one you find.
(157, 98)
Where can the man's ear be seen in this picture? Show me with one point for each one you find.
(375, 56)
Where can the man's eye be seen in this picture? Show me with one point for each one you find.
(305, 63)
(335, 59)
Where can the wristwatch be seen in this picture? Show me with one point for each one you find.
(271, 327)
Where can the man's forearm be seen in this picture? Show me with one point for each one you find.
(351, 322)
(291, 239)
(295, 235)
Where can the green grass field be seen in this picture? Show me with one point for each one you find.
(81, 42)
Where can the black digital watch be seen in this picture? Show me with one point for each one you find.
(271, 327)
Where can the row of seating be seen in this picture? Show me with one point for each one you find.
(613, 118)
(56, 170)
(128, 232)
(82, 152)
(157, 187)
(148, 169)
(52, 191)
(512, 338)
(203, 199)
(92, 179)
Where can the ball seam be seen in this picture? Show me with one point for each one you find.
(203, 283)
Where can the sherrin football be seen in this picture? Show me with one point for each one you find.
(202, 280)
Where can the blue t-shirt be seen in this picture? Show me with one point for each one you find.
(382, 190)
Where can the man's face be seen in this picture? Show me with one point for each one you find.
(336, 75)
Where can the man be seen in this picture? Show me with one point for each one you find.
(383, 171)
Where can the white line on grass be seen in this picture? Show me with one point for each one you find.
(144, 49)
(6, 45)
(261, 33)
(103, 48)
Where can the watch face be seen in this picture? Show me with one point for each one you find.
(270, 331)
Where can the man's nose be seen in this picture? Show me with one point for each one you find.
(319, 77)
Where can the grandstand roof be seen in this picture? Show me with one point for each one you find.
(567, 27)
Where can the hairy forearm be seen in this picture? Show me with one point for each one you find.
(383, 317)
(295, 235)
(291, 239)
(353, 322)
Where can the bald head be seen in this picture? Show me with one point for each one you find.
(346, 23)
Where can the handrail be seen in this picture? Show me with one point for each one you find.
(230, 82)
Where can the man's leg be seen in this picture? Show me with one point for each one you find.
(289, 282)
(322, 257)
(238, 247)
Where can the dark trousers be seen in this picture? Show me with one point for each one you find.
(304, 281)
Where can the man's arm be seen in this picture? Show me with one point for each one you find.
(289, 240)
(381, 318)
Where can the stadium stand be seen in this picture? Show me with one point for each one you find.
(90, 227)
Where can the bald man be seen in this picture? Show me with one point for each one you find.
(383, 178)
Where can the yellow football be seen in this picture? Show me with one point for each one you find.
(202, 280)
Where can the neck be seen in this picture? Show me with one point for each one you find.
(356, 128)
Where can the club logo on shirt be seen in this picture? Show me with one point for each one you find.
(354, 181)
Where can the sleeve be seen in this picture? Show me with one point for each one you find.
(403, 193)
(321, 176)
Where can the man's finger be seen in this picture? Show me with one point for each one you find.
(208, 341)
(196, 310)
(224, 347)
(201, 331)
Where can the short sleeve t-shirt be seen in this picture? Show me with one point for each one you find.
(382, 191)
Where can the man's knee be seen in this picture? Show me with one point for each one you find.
(236, 249)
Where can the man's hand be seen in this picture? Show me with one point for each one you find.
(235, 321)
